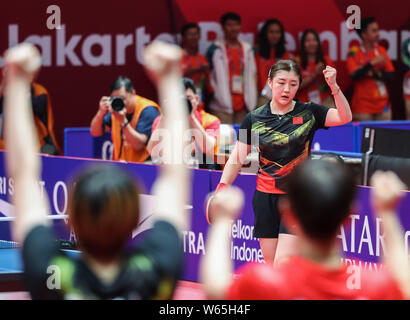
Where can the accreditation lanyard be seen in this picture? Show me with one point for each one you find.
(231, 62)
(367, 57)
(271, 61)
(237, 81)
(380, 85)
(311, 73)
(200, 79)
(314, 95)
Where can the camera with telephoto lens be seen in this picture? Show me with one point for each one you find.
(117, 103)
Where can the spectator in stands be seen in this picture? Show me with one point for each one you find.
(42, 115)
(205, 131)
(271, 47)
(320, 195)
(104, 206)
(312, 62)
(233, 73)
(194, 65)
(130, 125)
(405, 57)
(370, 67)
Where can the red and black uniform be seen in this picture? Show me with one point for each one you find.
(283, 141)
(302, 279)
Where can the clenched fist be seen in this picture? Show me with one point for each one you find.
(161, 59)
(330, 76)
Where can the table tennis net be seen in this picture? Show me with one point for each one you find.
(5, 244)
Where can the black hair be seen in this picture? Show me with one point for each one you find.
(230, 16)
(122, 82)
(190, 25)
(364, 23)
(103, 210)
(264, 45)
(189, 84)
(285, 65)
(319, 56)
(332, 156)
(321, 193)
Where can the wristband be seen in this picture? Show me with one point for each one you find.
(209, 201)
(337, 91)
(220, 187)
(125, 124)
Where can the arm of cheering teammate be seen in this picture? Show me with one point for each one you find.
(22, 162)
(172, 188)
(216, 266)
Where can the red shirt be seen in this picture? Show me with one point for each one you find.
(201, 79)
(319, 84)
(302, 279)
(367, 97)
(236, 66)
(263, 66)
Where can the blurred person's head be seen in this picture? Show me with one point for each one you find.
(369, 30)
(103, 211)
(271, 35)
(332, 157)
(310, 46)
(190, 33)
(231, 25)
(123, 87)
(191, 92)
(285, 78)
(320, 196)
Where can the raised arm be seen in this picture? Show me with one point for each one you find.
(342, 114)
(205, 141)
(22, 162)
(172, 187)
(216, 266)
(386, 195)
(96, 127)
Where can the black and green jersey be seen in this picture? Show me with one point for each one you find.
(148, 272)
(283, 141)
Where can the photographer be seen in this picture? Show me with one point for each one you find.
(204, 126)
(130, 118)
